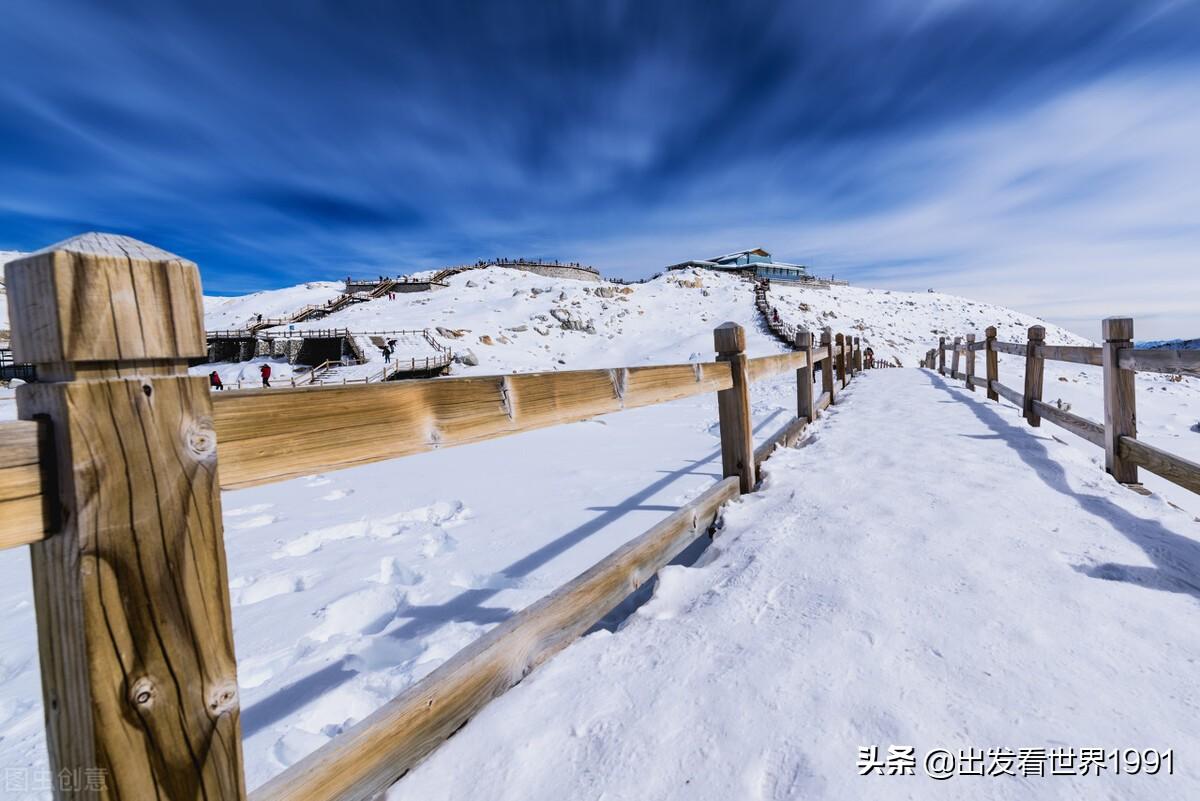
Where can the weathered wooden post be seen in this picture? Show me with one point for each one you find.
(827, 382)
(857, 355)
(839, 359)
(941, 355)
(1034, 365)
(993, 362)
(1120, 408)
(971, 362)
(139, 681)
(954, 358)
(733, 407)
(805, 402)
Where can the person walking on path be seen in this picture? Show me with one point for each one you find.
(265, 372)
(214, 380)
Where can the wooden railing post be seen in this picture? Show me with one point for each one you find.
(993, 362)
(138, 674)
(1120, 408)
(839, 359)
(857, 355)
(954, 358)
(733, 407)
(970, 362)
(941, 365)
(827, 382)
(1034, 365)
(805, 402)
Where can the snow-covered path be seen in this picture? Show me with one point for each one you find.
(927, 572)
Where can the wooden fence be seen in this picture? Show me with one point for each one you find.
(113, 477)
(1117, 435)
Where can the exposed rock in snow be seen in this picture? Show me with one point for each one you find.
(467, 357)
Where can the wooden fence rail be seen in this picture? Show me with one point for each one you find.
(1117, 435)
(113, 479)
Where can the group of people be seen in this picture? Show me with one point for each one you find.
(264, 372)
(388, 349)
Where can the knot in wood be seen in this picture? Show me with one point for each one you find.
(222, 698)
(141, 694)
(201, 439)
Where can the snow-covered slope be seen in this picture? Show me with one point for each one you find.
(903, 325)
(978, 586)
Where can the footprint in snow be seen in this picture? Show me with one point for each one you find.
(258, 521)
(337, 494)
(248, 510)
(251, 590)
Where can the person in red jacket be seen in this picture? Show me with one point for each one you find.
(265, 372)
(214, 380)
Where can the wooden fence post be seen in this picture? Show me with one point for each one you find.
(1033, 374)
(139, 680)
(827, 382)
(941, 365)
(805, 402)
(993, 362)
(970, 362)
(1120, 408)
(733, 407)
(954, 358)
(857, 355)
(839, 359)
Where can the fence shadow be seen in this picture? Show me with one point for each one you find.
(467, 606)
(1176, 558)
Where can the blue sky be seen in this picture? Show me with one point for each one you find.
(1039, 154)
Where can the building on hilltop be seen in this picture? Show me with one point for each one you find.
(756, 262)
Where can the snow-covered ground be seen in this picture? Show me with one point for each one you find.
(905, 325)
(958, 581)
(349, 586)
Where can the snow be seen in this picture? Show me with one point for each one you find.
(958, 580)
(348, 587)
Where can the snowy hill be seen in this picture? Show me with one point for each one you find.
(903, 325)
(512, 320)
(5, 257)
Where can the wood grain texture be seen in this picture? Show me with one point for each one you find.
(274, 436)
(1173, 468)
(131, 591)
(839, 360)
(87, 303)
(824, 402)
(970, 359)
(1071, 353)
(805, 395)
(132, 596)
(992, 360)
(22, 520)
(828, 384)
(1011, 348)
(1120, 406)
(1081, 426)
(1160, 360)
(1034, 368)
(733, 408)
(370, 756)
(767, 366)
(1010, 395)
